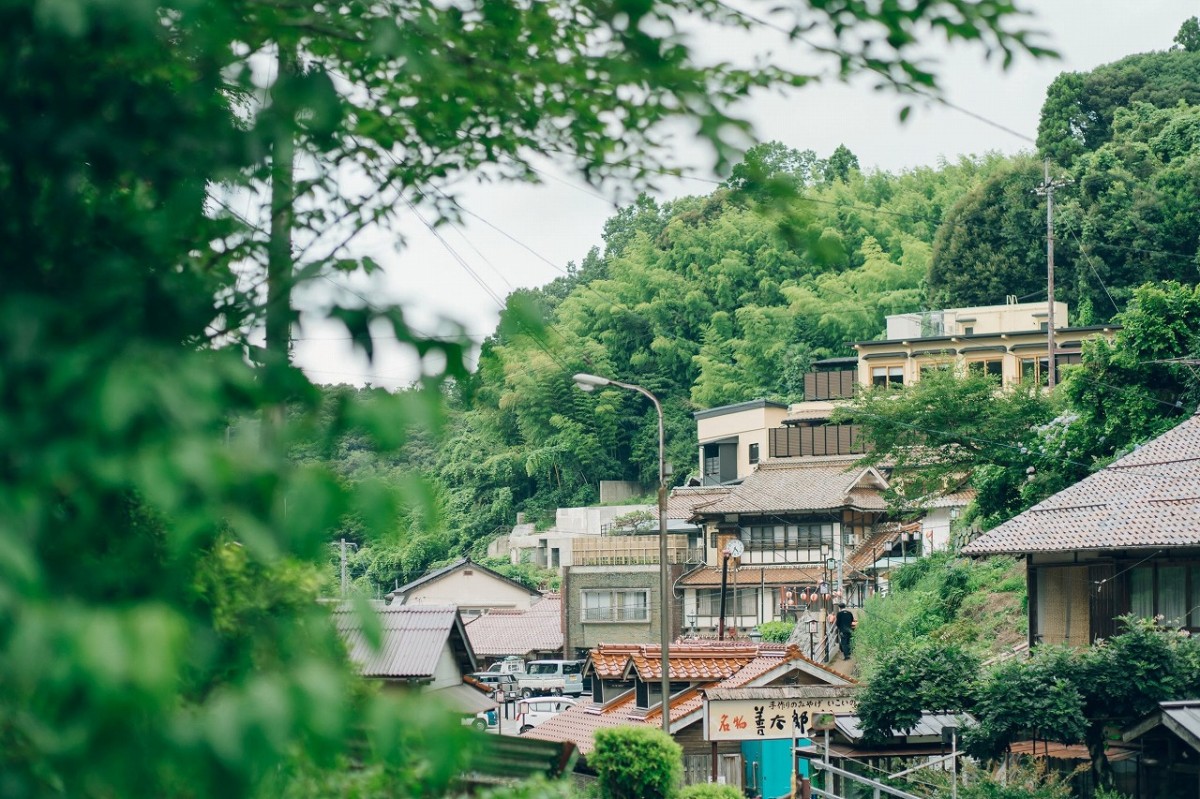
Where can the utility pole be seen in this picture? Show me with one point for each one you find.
(1047, 190)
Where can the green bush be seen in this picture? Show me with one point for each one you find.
(637, 763)
(710, 790)
(776, 632)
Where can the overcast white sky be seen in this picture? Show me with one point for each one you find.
(561, 219)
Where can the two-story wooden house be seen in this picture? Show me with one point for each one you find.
(1125, 539)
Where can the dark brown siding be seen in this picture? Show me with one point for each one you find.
(829, 439)
(1103, 600)
(830, 385)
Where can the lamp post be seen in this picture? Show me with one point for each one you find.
(830, 565)
(812, 638)
(589, 383)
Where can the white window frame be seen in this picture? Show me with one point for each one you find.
(613, 605)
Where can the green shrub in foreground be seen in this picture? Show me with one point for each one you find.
(637, 763)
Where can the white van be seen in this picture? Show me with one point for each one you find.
(552, 677)
(532, 712)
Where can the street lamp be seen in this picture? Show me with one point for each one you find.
(589, 383)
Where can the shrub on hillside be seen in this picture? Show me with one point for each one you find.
(776, 632)
(637, 763)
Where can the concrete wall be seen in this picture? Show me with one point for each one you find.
(581, 635)
(620, 491)
(588, 521)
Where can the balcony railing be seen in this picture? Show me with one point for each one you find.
(840, 384)
(617, 614)
(829, 439)
(629, 550)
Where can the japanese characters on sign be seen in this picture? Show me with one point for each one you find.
(765, 718)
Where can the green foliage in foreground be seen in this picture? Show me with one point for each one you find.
(709, 790)
(637, 763)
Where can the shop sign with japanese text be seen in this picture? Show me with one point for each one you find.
(771, 718)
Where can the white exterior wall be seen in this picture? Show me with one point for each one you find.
(935, 529)
(476, 590)
(446, 673)
(749, 426)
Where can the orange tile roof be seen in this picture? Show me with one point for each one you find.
(578, 724)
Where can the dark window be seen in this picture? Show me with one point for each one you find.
(789, 536)
(968, 331)
(887, 376)
(754, 453)
(992, 367)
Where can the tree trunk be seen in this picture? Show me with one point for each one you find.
(278, 315)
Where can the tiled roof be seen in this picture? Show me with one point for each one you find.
(518, 632)
(579, 723)
(795, 485)
(411, 642)
(751, 576)
(768, 662)
(1149, 498)
(881, 540)
(690, 665)
(683, 502)
(690, 661)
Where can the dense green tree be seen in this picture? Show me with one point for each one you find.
(1078, 112)
(909, 680)
(943, 429)
(840, 164)
(992, 243)
(1041, 696)
(1131, 389)
(1188, 37)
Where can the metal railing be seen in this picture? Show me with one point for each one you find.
(619, 613)
(876, 787)
(632, 550)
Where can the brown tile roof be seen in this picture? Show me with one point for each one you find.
(518, 632)
(411, 641)
(1149, 498)
(579, 723)
(750, 576)
(691, 665)
(881, 539)
(794, 485)
(683, 501)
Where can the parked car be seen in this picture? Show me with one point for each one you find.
(532, 712)
(510, 665)
(483, 720)
(556, 677)
(505, 683)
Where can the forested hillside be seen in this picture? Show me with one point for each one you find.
(731, 295)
